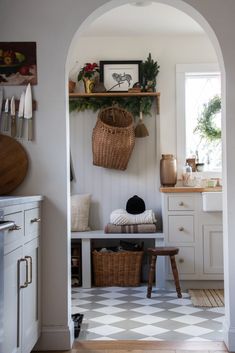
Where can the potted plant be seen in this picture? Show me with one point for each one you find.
(88, 74)
(149, 71)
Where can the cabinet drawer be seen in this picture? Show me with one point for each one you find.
(13, 237)
(181, 229)
(32, 223)
(181, 203)
(185, 260)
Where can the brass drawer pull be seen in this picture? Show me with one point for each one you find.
(181, 261)
(35, 220)
(15, 227)
(30, 269)
(181, 203)
(181, 229)
(20, 286)
(26, 273)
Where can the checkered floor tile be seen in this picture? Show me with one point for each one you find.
(116, 313)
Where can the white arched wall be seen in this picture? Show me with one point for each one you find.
(110, 189)
(192, 12)
(52, 24)
(205, 25)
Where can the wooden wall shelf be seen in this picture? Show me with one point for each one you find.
(119, 94)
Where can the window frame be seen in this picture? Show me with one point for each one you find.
(181, 71)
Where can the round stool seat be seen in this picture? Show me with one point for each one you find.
(163, 251)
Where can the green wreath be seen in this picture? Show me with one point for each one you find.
(205, 125)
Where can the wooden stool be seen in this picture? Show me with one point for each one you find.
(163, 251)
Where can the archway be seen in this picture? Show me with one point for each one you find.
(197, 17)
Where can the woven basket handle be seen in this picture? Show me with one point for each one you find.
(123, 114)
(113, 113)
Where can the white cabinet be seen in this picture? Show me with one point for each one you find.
(180, 203)
(211, 240)
(30, 305)
(186, 260)
(21, 280)
(11, 302)
(196, 233)
(179, 221)
(212, 249)
(181, 228)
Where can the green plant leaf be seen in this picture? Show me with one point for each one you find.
(132, 104)
(205, 124)
(149, 69)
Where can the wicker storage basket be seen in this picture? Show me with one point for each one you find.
(117, 268)
(113, 138)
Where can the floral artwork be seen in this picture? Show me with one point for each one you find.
(18, 63)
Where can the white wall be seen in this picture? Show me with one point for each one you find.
(52, 24)
(111, 189)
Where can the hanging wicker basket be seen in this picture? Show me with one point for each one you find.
(113, 138)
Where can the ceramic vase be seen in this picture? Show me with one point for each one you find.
(72, 86)
(168, 170)
(88, 85)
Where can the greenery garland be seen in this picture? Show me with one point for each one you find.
(205, 125)
(135, 105)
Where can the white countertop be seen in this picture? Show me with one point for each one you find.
(182, 189)
(16, 200)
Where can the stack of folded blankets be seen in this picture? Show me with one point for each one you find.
(135, 219)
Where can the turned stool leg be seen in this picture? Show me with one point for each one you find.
(176, 276)
(151, 275)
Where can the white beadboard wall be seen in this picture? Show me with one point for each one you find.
(110, 189)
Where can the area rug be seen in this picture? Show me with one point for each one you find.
(207, 297)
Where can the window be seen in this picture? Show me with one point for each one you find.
(196, 86)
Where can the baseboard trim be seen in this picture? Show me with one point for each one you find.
(56, 338)
(229, 337)
(196, 284)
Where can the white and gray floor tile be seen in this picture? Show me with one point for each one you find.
(116, 313)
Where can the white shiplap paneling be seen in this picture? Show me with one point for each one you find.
(110, 189)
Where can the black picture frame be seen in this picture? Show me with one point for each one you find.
(127, 74)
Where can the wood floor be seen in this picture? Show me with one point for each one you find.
(145, 347)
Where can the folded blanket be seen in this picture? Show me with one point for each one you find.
(121, 216)
(131, 228)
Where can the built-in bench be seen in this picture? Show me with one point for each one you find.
(86, 238)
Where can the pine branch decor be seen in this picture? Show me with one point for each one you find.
(149, 71)
(135, 105)
(150, 68)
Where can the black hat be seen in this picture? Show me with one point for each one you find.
(135, 205)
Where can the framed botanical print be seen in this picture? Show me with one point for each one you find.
(119, 76)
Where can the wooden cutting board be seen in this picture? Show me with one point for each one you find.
(13, 164)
